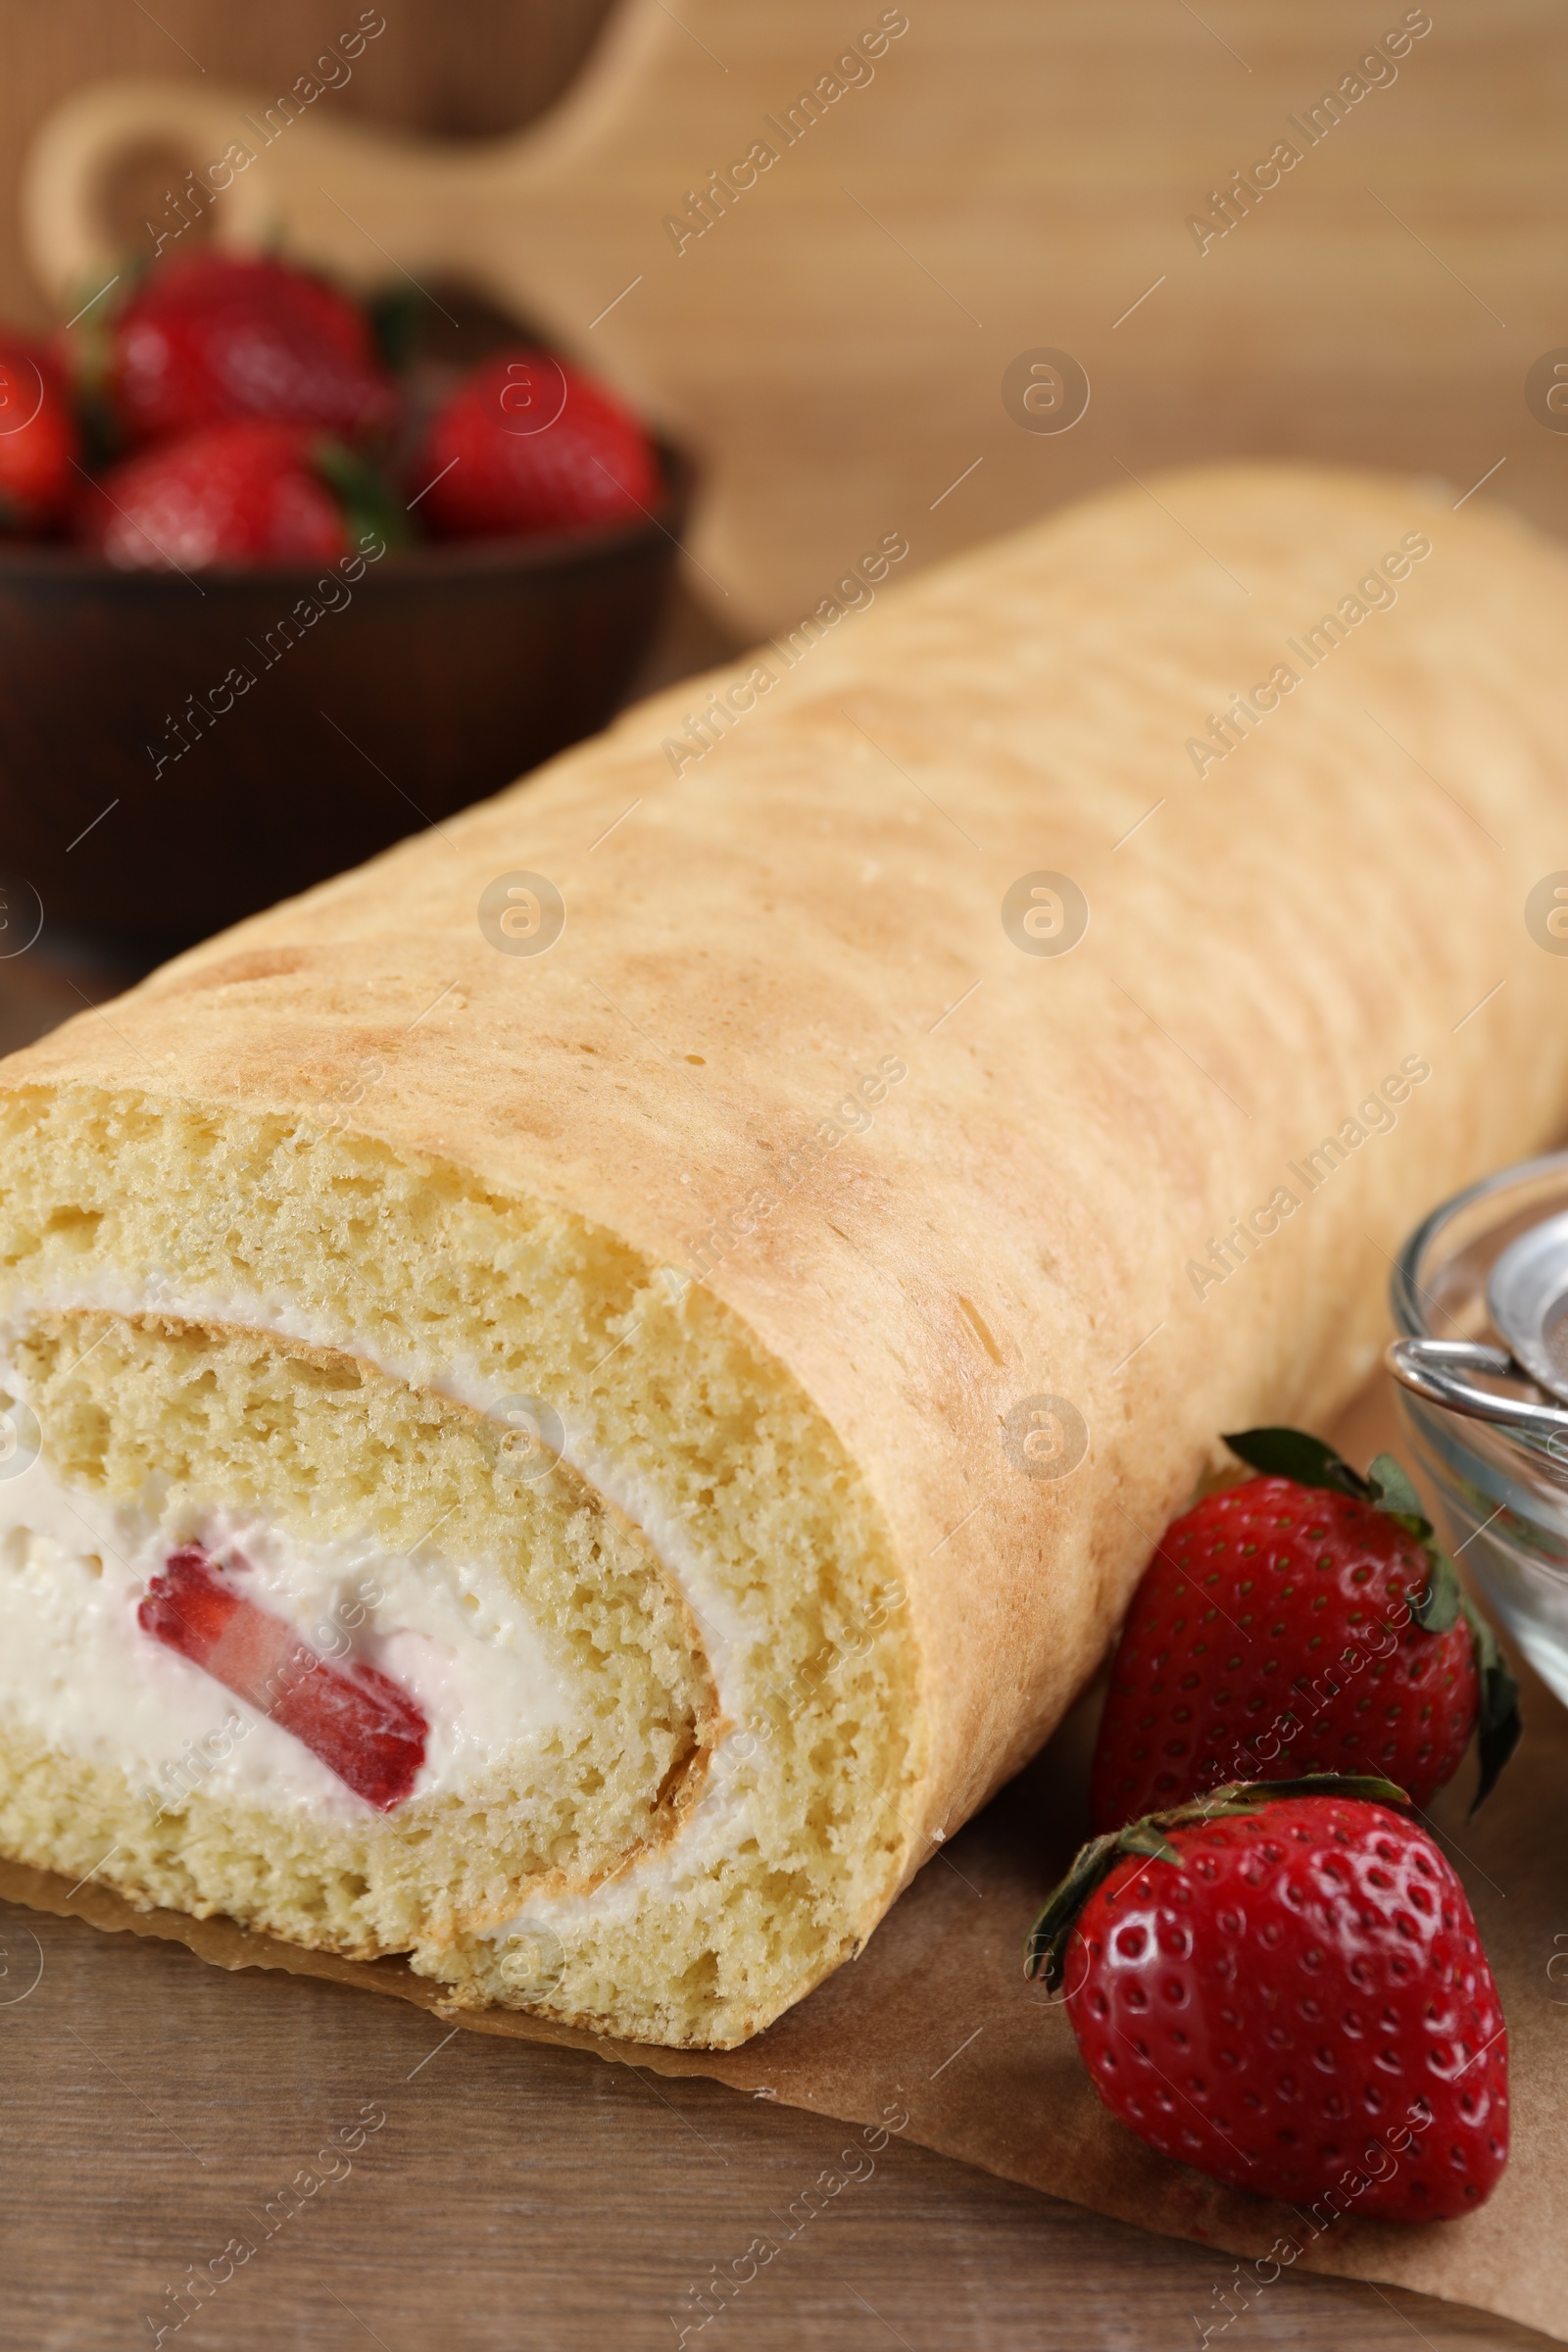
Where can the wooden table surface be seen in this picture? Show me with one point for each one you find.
(515, 2198)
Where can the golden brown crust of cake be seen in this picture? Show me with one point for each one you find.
(820, 893)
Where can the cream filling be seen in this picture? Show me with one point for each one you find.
(92, 1680)
(76, 1667)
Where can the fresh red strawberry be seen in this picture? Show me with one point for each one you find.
(527, 444)
(1298, 1623)
(234, 494)
(355, 1719)
(1284, 1986)
(39, 440)
(216, 336)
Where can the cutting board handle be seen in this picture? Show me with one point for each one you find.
(363, 203)
(819, 285)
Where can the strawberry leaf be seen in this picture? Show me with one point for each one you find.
(1393, 1491)
(1394, 1495)
(1045, 1950)
(1047, 1947)
(397, 317)
(1293, 1453)
(370, 506)
(1500, 1724)
(1437, 1606)
(1144, 1837)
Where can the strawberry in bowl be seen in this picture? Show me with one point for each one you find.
(244, 492)
(527, 443)
(296, 657)
(39, 441)
(214, 337)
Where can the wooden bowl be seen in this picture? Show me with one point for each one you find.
(149, 793)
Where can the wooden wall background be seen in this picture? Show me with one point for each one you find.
(458, 67)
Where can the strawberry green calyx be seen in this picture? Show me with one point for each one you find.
(1045, 1950)
(371, 507)
(1296, 1454)
(1499, 1724)
(398, 317)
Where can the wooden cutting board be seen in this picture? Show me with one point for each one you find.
(836, 257)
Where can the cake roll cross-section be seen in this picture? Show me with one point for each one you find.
(367, 1643)
(571, 1403)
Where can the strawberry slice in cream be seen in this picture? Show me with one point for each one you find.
(357, 1720)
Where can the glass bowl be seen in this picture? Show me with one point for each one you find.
(1493, 1444)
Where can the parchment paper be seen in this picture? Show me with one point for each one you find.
(936, 2020)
